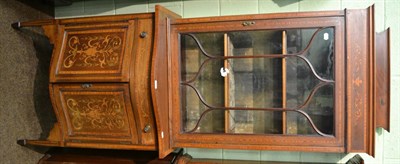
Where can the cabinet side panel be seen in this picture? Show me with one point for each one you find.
(60, 120)
(382, 80)
(359, 108)
(140, 82)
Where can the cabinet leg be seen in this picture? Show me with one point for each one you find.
(21, 142)
(16, 25)
(19, 25)
(37, 145)
(46, 143)
(180, 158)
(184, 159)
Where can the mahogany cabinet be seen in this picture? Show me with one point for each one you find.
(100, 83)
(306, 81)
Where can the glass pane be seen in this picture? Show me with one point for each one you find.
(207, 82)
(254, 122)
(191, 55)
(320, 44)
(302, 84)
(319, 109)
(254, 82)
(258, 87)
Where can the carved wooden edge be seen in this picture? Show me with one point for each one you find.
(382, 80)
(160, 78)
(107, 18)
(337, 13)
(116, 146)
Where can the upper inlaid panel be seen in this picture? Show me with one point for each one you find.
(93, 54)
(96, 52)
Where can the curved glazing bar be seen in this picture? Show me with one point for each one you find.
(297, 109)
(300, 55)
(300, 108)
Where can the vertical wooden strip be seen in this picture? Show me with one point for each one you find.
(226, 85)
(140, 82)
(372, 75)
(160, 81)
(284, 51)
(382, 80)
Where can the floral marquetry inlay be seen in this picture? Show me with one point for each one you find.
(102, 51)
(100, 112)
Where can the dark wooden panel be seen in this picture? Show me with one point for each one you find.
(382, 80)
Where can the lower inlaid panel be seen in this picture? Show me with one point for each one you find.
(89, 112)
(96, 112)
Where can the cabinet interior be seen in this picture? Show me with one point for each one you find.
(258, 82)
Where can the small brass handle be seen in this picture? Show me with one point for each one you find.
(248, 23)
(143, 34)
(147, 128)
(86, 85)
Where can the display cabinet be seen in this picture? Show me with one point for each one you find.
(293, 81)
(304, 81)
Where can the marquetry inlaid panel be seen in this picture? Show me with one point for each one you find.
(94, 54)
(95, 51)
(96, 110)
(89, 111)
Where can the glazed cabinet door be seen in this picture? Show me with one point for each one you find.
(95, 113)
(241, 83)
(93, 52)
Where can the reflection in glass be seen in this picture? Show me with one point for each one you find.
(209, 83)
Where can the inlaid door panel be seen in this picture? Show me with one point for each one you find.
(93, 54)
(96, 112)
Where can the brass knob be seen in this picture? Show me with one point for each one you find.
(248, 23)
(86, 85)
(143, 34)
(147, 128)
